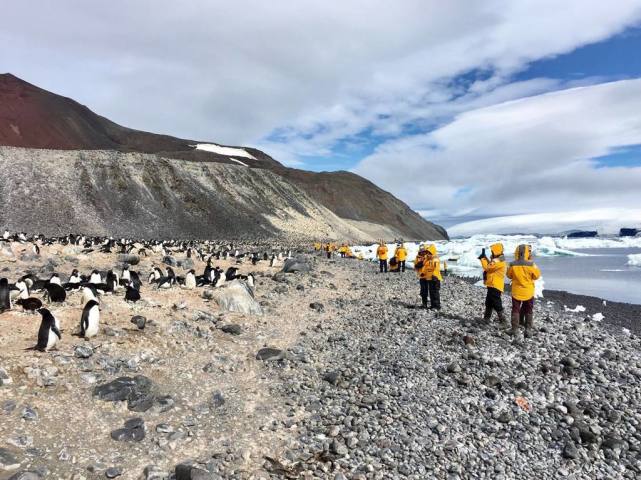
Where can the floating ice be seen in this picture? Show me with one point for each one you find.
(597, 317)
(634, 259)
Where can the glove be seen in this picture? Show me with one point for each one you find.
(482, 255)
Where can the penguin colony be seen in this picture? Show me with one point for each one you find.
(90, 286)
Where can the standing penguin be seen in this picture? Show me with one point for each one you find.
(95, 277)
(5, 295)
(190, 279)
(89, 293)
(55, 293)
(90, 319)
(48, 333)
(132, 295)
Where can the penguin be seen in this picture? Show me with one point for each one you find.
(89, 293)
(95, 277)
(36, 249)
(112, 281)
(55, 279)
(219, 279)
(132, 295)
(23, 289)
(190, 280)
(230, 274)
(55, 293)
(29, 304)
(5, 295)
(126, 275)
(90, 319)
(48, 333)
(135, 280)
(74, 281)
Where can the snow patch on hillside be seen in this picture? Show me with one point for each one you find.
(227, 151)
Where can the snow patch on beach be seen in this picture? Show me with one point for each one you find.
(577, 309)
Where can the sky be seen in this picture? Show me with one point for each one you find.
(465, 110)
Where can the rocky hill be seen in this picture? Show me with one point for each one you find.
(345, 205)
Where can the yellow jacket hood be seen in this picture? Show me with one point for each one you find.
(431, 249)
(523, 253)
(496, 249)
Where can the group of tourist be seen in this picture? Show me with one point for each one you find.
(522, 272)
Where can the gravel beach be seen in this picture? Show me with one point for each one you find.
(341, 377)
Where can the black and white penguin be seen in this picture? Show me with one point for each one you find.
(95, 277)
(55, 278)
(135, 280)
(125, 275)
(48, 333)
(190, 279)
(5, 295)
(55, 293)
(132, 295)
(36, 249)
(89, 293)
(29, 304)
(230, 274)
(112, 281)
(219, 278)
(90, 319)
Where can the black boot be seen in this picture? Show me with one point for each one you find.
(487, 316)
(529, 325)
(515, 324)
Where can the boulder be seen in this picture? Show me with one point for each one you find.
(269, 354)
(235, 296)
(169, 260)
(293, 265)
(137, 391)
(129, 259)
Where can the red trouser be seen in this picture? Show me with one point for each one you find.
(523, 307)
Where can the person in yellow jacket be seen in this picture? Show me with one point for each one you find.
(328, 250)
(429, 271)
(401, 256)
(317, 246)
(494, 279)
(381, 254)
(523, 272)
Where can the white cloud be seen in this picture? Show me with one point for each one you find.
(231, 72)
(524, 156)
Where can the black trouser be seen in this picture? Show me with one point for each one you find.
(424, 291)
(382, 264)
(435, 293)
(493, 300)
(342, 254)
(401, 264)
(329, 254)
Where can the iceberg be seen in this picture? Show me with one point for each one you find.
(634, 259)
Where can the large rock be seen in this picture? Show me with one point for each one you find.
(8, 461)
(235, 296)
(293, 265)
(129, 259)
(136, 391)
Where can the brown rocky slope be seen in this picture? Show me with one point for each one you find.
(33, 118)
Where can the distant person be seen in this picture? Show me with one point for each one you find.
(430, 278)
(317, 246)
(523, 272)
(494, 279)
(328, 250)
(381, 254)
(401, 256)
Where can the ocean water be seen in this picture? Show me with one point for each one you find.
(603, 272)
(600, 267)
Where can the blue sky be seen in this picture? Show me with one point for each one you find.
(462, 109)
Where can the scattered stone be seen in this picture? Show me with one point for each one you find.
(82, 351)
(232, 329)
(293, 265)
(317, 306)
(133, 431)
(8, 460)
(113, 472)
(270, 354)
(137, 391)
(139, 321)
(29, 414)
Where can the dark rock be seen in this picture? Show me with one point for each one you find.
(8, 461)
(29, 414)
(169, 260)
(186, 263)
(317, 306)
(26, 475)
(137, 391)
(82, 351)
(129, 259)
(293, 265)
(232, 329)
(570, 451)
(270, 354)
(217, 399)
(133, 431)
(139, 321)
(113, 472)
(332, 377)
(189, 472)
(164, 403)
